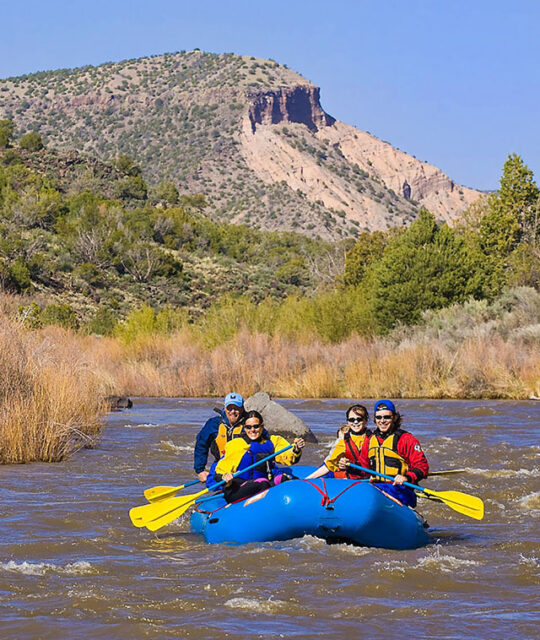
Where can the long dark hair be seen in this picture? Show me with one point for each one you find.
(254, 414)
(357, 408)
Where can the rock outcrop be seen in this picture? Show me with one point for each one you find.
(116, 403)
(289, 104)
(277, 419)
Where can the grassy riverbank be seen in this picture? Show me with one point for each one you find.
(473, 350)
(54, 378)
(480, 367)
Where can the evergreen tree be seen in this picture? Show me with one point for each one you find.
(423, 268)
(6, 132)
(368, 248)
(509, 223)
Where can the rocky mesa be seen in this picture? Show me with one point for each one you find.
(248, 133)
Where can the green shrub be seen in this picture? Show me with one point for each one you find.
(131, 187)
(60, 314)
(11, 157)
(7, 128)
(20, 275)
(30, 315)
(90, 274)
(103, 323)
(31, 141)
(139, 323)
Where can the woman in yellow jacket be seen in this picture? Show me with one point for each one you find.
(255, 444)
(348, 446)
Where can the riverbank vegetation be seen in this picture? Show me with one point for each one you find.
(50, 398)
(111, 286)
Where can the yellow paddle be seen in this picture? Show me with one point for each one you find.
(154, 494)
(155, 515)
(461, 502)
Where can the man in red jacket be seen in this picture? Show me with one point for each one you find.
(394, 452)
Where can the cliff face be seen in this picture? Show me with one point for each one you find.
(364, 180)
(289, 104)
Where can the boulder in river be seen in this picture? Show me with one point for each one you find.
(277, 419)
(118, 402)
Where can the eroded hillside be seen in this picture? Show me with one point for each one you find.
(248, 133)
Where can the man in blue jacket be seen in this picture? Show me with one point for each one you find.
(217, 432)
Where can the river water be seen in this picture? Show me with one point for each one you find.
(72, 566)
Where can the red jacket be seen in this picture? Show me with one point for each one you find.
(409, 449)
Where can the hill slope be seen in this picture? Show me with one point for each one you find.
(248, 133)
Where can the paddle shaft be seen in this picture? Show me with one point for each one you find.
(252, 466)
(471, 506)
(384, 475)
(445, 472)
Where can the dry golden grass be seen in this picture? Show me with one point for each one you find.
(179, 366)
(50, 400)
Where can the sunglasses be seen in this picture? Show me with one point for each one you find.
(385, 417)
(250, 427)
(356, 420)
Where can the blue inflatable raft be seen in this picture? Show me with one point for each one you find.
(337, 510)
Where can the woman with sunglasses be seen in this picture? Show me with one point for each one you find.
(348, 446)
(254, 444)
(395, 452)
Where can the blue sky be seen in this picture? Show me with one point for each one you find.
(453, 82)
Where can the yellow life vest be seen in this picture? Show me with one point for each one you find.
(383, 456)
(224, 435)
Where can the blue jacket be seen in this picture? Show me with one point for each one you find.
(206, 440)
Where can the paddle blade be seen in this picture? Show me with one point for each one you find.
(461, 502)
(136, 515)
(157, 514)
(178, 506)
(154, 494)
(160, 493)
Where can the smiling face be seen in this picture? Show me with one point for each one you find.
(233, 413)
(253, 428)
(384, 419)
(356, 421)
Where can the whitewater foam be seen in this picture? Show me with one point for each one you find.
(41, 568)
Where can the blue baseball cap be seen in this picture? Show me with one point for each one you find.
(384, 404)
(233, 398)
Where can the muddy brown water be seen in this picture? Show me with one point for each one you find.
(72, 565)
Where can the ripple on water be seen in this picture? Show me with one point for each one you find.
(530, 502)
(530, 565)
(261, 606)
(141, 425)
(505, 473)
(168, 445)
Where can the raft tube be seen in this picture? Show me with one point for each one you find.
(336, 510)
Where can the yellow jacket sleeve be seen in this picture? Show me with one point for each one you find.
(331, 461)
(288, 457)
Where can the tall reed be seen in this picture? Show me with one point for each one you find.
(50, 399)
(480, 367)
